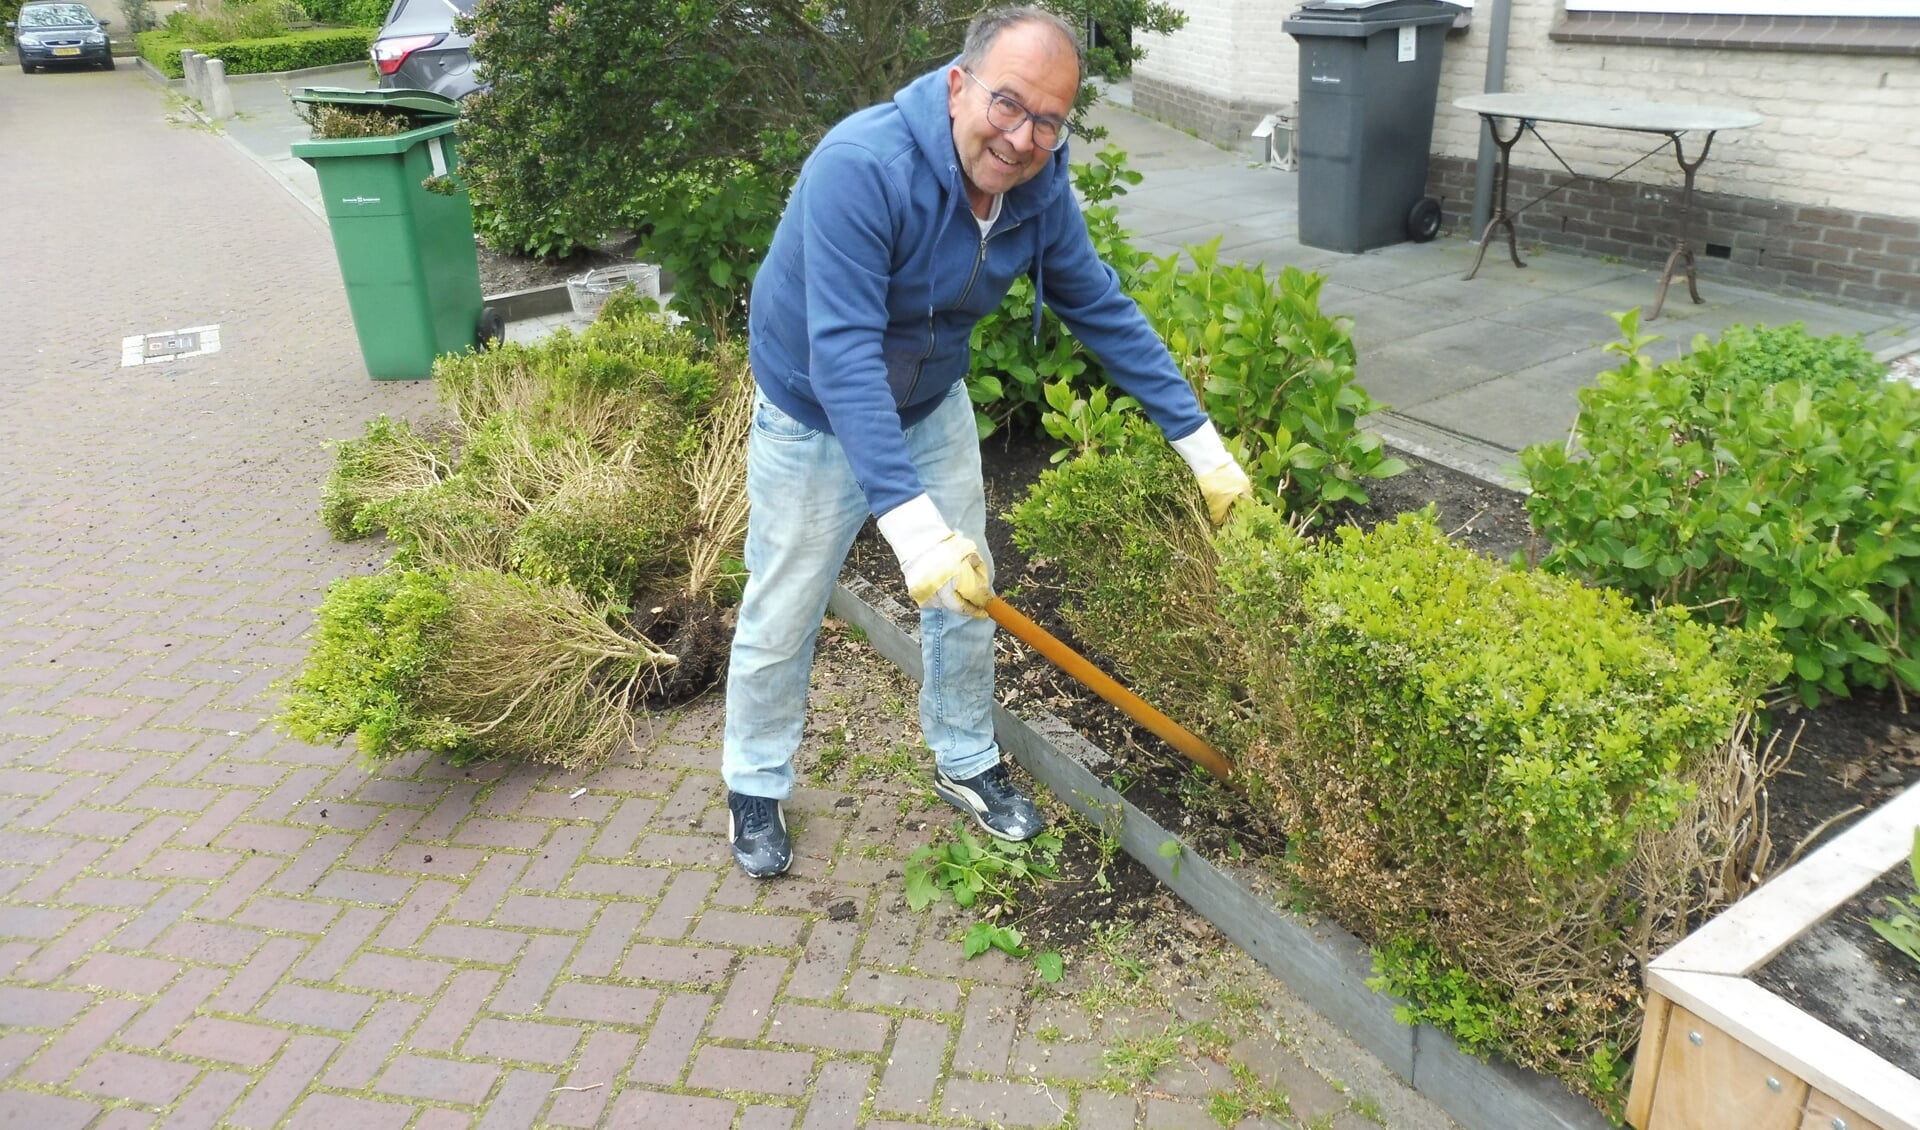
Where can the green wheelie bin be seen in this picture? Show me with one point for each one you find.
(403, 232)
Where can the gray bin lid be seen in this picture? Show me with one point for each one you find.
(1364, 17)
(422, 104)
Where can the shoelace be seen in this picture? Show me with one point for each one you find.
(756, 816)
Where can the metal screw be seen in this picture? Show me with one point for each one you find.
(1773, 1084)
(1839, 1124)
(1697, 1038)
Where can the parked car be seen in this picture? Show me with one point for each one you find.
(60, 35)
(418, 48)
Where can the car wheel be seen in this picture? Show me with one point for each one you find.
(26, 68)
(107, 63)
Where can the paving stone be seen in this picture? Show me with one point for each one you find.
(914, 1067)
(837, 1096)
(121, 1075)
(898, 990)
(759, 1072)
(682, 1112)
(682, 1018)
(65, 1056)
(205, 1106)
(315, 1008)
(608, 1004)
(829, 1029)
(593, 1079)
(330, 1112)
(406, 975)
(445, 1080)
(45, 1112)
(249, 1045)
(455, 1010)
(473, 943)
(521, 1041)
(518, 1103)
(748, 1005)
(1003, 1104)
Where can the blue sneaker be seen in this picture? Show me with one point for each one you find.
(992, 799)
(758, 831)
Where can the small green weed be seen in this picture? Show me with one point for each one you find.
(1250, 1098)
(970, 870)
(1902, 927)
(1130, 1063)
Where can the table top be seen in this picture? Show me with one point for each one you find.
(1608, 112)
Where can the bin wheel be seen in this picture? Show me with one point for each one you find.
(1423, 222)
(491, 330)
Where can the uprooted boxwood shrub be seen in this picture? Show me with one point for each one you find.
(560, 543)
(1766, 474)
(1511, 786)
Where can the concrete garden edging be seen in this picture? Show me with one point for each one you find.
(1318, 960)
(1721, 1052)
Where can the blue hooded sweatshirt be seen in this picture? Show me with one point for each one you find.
(861, 312)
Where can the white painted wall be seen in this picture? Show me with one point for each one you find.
(1841, 131)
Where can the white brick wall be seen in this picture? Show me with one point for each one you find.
(1841, 131)
(1230, 49)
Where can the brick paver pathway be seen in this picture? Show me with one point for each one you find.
(203, 923)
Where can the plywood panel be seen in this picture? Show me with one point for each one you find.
(1708, 1079)
(1646, 1060)
(1823, 1113)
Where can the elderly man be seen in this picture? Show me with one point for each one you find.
(907, 225)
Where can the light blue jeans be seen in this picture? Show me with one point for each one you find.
(805, 510)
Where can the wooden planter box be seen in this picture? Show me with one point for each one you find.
(1720, 1052)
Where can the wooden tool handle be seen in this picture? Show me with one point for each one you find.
(1097, 681)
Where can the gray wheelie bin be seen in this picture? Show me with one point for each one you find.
(1369, 76)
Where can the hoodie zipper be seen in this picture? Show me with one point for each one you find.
(932, 336)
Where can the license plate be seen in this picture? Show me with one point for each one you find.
(66, 50)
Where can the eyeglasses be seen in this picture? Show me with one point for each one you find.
(1007, 116)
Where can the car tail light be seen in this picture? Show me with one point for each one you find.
(388, 54)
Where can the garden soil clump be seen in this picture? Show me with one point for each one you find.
(696, 633)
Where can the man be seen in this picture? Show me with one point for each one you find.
(907, 225)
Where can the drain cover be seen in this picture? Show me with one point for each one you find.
(169, 345)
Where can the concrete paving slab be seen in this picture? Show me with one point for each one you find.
(1519, 408)
(1413, 373)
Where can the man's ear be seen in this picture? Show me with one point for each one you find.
(956, 86)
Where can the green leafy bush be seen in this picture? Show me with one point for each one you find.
(1274, 373)
(1470, 759)
(293, 51)
(1769, 477)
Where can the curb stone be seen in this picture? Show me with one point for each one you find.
(1324, 964)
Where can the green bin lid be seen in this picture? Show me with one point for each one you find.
(423, 103)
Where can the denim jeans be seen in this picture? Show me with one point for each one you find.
(805, 509)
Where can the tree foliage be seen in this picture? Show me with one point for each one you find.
(687, 120)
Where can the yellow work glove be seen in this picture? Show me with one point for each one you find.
(943, 569)
(1222, 482)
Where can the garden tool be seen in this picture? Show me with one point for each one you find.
(1097, 681)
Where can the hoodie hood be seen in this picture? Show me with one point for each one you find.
(923, 104)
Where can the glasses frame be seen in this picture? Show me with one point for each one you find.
(1062, 129)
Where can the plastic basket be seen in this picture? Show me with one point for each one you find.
(590, 291)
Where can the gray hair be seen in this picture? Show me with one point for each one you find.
(987, 26)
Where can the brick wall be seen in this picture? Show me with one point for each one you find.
(1220, 74)
(1835, 253)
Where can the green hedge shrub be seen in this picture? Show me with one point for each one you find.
(1470, 759)
(1769, 477)
(291, 52)
(1489, 775)
(1130, 531)
(347, 13)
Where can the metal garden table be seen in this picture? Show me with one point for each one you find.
(1668, 120)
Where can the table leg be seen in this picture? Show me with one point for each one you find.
(1682, 243)
(1502, 169)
